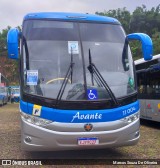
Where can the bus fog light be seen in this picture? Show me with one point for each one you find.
(137, 134)
(35, 120)
(28, 139)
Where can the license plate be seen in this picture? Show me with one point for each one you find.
(88, 141)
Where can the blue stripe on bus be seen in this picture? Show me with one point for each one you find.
(70, 16)
(82, 116)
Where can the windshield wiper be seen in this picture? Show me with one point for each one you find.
(64, 83)
(99, 79)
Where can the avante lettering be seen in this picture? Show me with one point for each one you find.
(79, 116)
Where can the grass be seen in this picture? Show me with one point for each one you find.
(149, 143)
(147, 148)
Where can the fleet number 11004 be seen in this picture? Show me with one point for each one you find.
(128, 111)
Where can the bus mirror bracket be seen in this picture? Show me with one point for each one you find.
(147, 46)
(12, 43)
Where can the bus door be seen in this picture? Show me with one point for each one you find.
(149, 109)
(152, 96)
(141, 78)
(143, 110)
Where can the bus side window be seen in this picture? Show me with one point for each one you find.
(140, 82)
(141, 89)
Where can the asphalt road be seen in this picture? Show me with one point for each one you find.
(147, 148)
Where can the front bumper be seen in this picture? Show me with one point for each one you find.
(35, 138)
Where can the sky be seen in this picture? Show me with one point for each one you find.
(13, 11)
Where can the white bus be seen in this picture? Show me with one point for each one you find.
(148, 81)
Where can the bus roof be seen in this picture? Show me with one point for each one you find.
(141, 61)
(70, 16)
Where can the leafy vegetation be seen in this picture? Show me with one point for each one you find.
(141, 20)
(8, 67)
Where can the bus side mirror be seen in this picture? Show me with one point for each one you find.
(12, 43)
(147, 46)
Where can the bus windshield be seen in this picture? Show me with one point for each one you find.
(51, 48)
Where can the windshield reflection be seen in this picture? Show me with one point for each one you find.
(49, 70)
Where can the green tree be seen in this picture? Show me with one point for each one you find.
(122, 15)
(156, 42)
(3, 45)
(9, 68)
(141, 20)
(146, 21)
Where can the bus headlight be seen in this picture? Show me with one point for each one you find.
(131, 118)
(35, 120)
